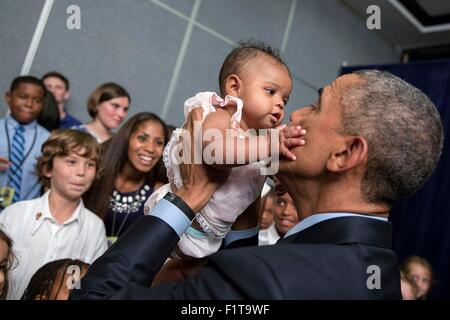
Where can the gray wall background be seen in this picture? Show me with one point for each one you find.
(165, 51)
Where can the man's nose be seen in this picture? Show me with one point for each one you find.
(295, 115)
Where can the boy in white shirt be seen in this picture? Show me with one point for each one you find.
(56, 225)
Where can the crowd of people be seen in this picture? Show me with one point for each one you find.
(76, 196)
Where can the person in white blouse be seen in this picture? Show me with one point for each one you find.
(56, 225)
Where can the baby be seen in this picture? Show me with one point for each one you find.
(256, 85)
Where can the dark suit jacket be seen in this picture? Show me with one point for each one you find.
(333, 259)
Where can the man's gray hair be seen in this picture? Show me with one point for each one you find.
(403, 131)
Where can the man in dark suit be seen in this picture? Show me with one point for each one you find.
(371, 139)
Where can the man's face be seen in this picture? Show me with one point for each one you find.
(322, 121)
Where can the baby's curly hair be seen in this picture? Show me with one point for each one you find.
(61, 143)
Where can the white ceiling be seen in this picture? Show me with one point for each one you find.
(401, 31)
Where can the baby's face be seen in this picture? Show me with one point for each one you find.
(266, 86)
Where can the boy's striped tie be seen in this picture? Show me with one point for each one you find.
(17, 154)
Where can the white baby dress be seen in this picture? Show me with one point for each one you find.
(242, 188)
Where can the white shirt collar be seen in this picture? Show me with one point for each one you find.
(319, 217)
(46, 214)
(273, 234)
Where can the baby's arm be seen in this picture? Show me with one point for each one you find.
(223, 148)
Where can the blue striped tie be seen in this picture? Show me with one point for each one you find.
(17, 154)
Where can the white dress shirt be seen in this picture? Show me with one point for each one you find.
(268, 236)
(38, 238)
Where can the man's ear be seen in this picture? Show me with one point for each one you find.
(233, 85)
(351, 155)
(67, 95)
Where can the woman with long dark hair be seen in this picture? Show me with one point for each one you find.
(132, 169)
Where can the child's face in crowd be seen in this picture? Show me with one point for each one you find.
(4, 252)
(421, 277)
(266, 86)
(26, 102)
(267, 213)
(146, 145)
(58, 88)
(111, 113)
(72, 175)
(285, 213)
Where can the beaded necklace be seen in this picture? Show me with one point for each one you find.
(120, 204)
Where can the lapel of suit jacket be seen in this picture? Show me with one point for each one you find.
(345, 230)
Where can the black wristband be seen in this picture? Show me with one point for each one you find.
(176, 200)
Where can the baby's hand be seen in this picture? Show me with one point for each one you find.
(290, 137)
